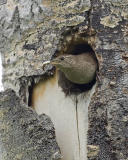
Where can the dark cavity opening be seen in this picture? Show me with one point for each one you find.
(81, 48)
(30, 92)
(69, 87)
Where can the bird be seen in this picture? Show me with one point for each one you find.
(77, 68)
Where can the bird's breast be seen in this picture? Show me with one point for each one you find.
(82, 74)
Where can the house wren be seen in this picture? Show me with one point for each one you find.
(79, 69)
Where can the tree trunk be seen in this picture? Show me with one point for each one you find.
(25, 135)
(91, 117)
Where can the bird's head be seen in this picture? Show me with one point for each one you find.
(63, 62)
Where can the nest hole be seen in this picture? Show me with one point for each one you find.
(81, 48)
(69, 87)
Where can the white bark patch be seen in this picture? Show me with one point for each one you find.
(69, 115)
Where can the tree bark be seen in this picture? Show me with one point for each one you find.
(25, 135)
(35, 31)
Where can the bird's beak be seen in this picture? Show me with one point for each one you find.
(54, 61)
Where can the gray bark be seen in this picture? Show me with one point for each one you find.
(108, 109)
(34, 31)
(23, 134)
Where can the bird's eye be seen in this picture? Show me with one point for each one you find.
(61, 58)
